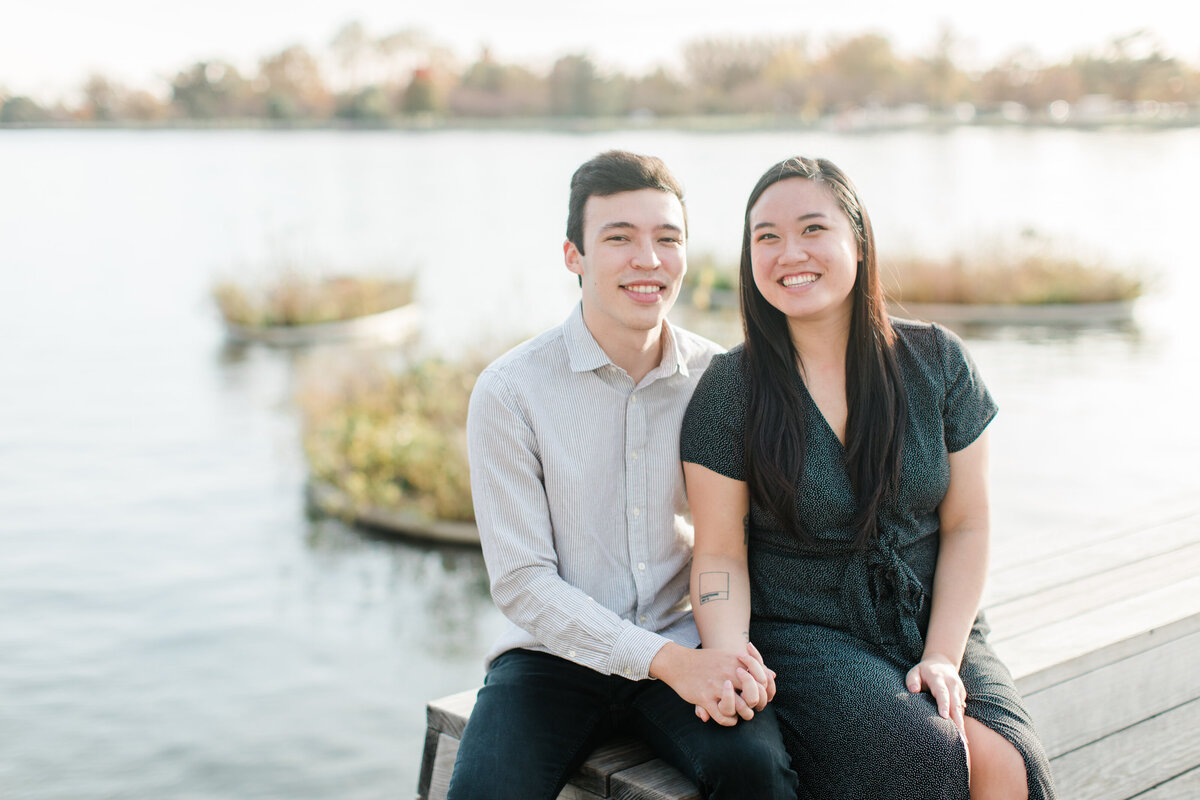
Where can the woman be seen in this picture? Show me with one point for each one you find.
(836, 466)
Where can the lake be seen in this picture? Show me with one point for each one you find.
(172, 623)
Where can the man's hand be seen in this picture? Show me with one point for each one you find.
(732, 700)
(724, 686)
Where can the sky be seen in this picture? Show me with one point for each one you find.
(48, 47)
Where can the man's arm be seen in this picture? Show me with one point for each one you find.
(512, 512)
(513, 516)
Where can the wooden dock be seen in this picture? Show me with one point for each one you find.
(1102, 636)
(1104, 641)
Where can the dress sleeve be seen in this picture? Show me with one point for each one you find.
(713, 433)
(967, 407)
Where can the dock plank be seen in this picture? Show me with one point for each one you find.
(1184, 787)
(609, 758)
(1100, 590)
(443, 767)
(1062, 671)
(1021, 550)
(1098, 555)
(449, 714)
(428, 760)
(1117, 695)
(1068, 639)
(654, 780)
(1134, 760)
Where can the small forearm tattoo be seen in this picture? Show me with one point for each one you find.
(714, 586)
(746, 530)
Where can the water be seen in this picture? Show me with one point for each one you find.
(171, 623)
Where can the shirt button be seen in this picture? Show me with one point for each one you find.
(633, 398)
(635, 455)
(628, 672)
(571, 653)
(636, 511)
(642, 566)
(642, 618)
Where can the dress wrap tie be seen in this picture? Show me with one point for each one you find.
(895, 592)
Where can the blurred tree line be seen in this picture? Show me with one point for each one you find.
(362, 79)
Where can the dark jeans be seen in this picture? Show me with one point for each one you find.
(539, 716)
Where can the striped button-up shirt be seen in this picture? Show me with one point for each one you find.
(579, 497)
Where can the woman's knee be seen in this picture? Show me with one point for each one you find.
(911, 728)
(899, 741)
(997, 767)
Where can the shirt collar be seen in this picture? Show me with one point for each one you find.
(583, 350)
(586, 354)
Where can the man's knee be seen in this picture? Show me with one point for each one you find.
(749, 766)
(484, 760)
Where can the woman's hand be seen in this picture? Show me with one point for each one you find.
(766, 680)
(755, 689)
(938, 676)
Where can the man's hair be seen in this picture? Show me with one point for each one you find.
(614, 172)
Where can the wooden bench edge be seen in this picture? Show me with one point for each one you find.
(1063, 671)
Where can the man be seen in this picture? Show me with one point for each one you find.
(574, 447)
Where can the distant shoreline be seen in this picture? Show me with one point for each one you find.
(867, 122)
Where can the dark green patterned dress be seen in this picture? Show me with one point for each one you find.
(842, 628)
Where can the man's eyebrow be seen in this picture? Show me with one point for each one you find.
(669, 226)
(801, 218)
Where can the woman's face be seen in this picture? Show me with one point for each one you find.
(803, 251)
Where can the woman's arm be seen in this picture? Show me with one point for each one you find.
(720, 577)
(958, 581)
(720, 586)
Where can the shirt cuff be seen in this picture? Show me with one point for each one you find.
(635, 649)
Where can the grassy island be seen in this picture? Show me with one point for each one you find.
(393, 440)
(1028, 280)
(1001, 279)
(294, 300)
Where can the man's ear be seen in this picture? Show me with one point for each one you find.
(572, 257)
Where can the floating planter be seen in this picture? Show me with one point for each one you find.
(394, 325)
(387, 449)
(1051, 314)
(1029, 289)
(324, 498)
(298, 311)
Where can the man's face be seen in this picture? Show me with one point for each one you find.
(634, 263)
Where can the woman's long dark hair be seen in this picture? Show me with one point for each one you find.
(875, 397)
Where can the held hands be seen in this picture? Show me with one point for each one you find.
(751, 689)
(937, 675)
(724, 685)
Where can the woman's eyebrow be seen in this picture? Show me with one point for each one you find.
(801, 218)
